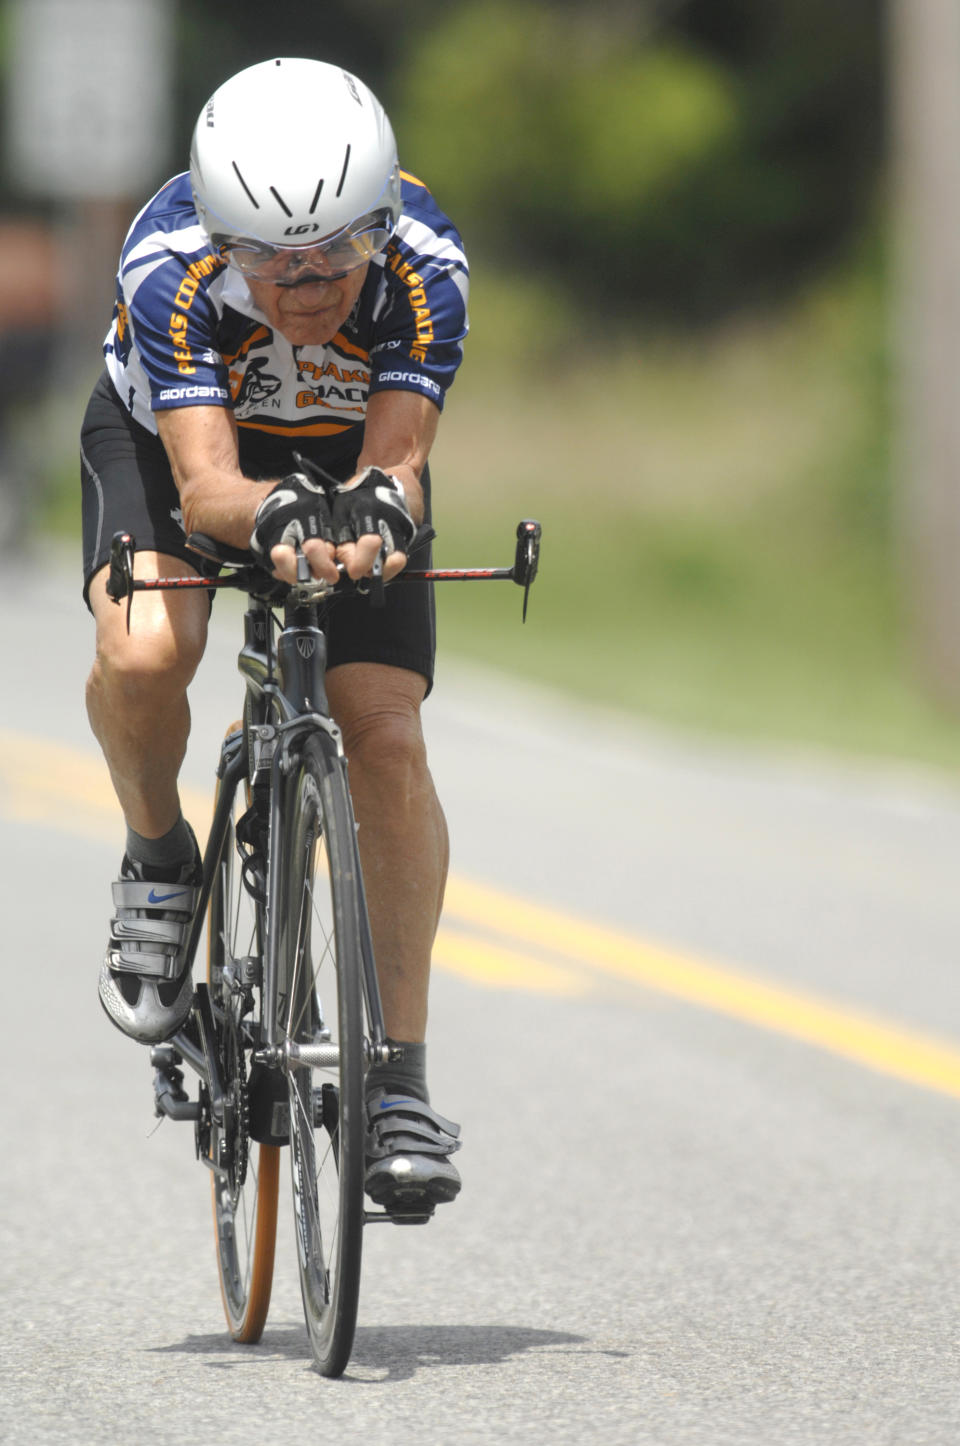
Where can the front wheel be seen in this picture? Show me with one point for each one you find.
(320, 971)
(245, 1184)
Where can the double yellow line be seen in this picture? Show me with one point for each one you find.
(502, 941)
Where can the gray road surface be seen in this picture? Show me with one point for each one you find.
(678, 1225)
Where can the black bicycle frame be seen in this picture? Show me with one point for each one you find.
(284, 677)
(285, 702)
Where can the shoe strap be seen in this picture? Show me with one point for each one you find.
(140, 942)
(145, 962)
(398, 1125)
(382, 1106)
(143, 894)
(157, 931)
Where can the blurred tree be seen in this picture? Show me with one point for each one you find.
(668, 157)
(804, 180)
(683, 159)
(554, 137)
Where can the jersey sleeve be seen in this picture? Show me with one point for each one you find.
(173, 322)
(418, 343)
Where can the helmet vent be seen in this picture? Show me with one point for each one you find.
(253, 199)
(316, 196)
(280, 201)
(343, 173)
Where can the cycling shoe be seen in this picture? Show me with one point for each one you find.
(408, 1147)
(144, 988)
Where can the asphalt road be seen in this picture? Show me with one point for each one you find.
(698, 1011)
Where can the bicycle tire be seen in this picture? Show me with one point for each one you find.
(320, 972)
(245, 1217)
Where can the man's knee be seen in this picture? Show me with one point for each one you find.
(138, 669)
(378, 711)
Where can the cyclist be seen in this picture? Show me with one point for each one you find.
(294, 295)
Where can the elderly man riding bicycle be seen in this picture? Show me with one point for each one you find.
(293, 302)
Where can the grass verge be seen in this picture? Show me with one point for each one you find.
(718, 552)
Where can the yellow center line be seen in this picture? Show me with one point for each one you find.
(870, 1041)
(70, 790)
(490, 964)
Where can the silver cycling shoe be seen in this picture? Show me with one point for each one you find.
(408, 1148)
(144, 988)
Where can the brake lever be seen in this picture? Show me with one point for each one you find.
(527, 558)
(120, 577)
(121, 565)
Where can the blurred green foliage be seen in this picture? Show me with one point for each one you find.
(566, 141)
(719, 544)
(673, 168)
(670, 162)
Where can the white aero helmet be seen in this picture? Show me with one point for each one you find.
(294, 171)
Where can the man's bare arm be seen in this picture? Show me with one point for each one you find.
(399, 432)
(216, 498)
(201, 444)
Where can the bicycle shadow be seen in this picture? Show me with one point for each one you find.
(396, 1353)
(388, 1354)
(288, 1342)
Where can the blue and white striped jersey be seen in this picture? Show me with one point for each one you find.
(186, 331)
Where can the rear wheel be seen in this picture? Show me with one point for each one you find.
(320, 963)
(245, 1185)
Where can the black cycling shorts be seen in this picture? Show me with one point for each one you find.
(127, 486)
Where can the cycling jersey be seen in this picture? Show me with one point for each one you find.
(187, 332)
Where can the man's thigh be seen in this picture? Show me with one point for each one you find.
(127, 486)
(402, 634)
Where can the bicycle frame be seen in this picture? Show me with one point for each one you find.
(284, 676)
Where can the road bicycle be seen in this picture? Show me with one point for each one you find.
(288, 1019)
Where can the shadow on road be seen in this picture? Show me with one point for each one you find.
(394, 1353)
(289, 1342)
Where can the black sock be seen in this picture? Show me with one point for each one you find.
(402, 1077)
(165, 855)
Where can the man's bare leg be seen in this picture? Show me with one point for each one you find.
(137, 704)
(404, 851)
(402, 831)
(137, 691)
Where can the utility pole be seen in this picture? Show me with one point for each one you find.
(925, 109)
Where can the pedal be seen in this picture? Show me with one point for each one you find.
(169, 1097)
(397, 1217)
(410, 1217)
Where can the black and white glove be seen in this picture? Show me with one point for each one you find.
(295, 510)
(373, 502)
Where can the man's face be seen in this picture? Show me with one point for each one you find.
(312, 311)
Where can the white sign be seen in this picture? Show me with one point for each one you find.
(88, 99)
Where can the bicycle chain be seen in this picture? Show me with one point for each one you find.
(237, 1100)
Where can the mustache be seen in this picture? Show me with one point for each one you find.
(312, 278)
